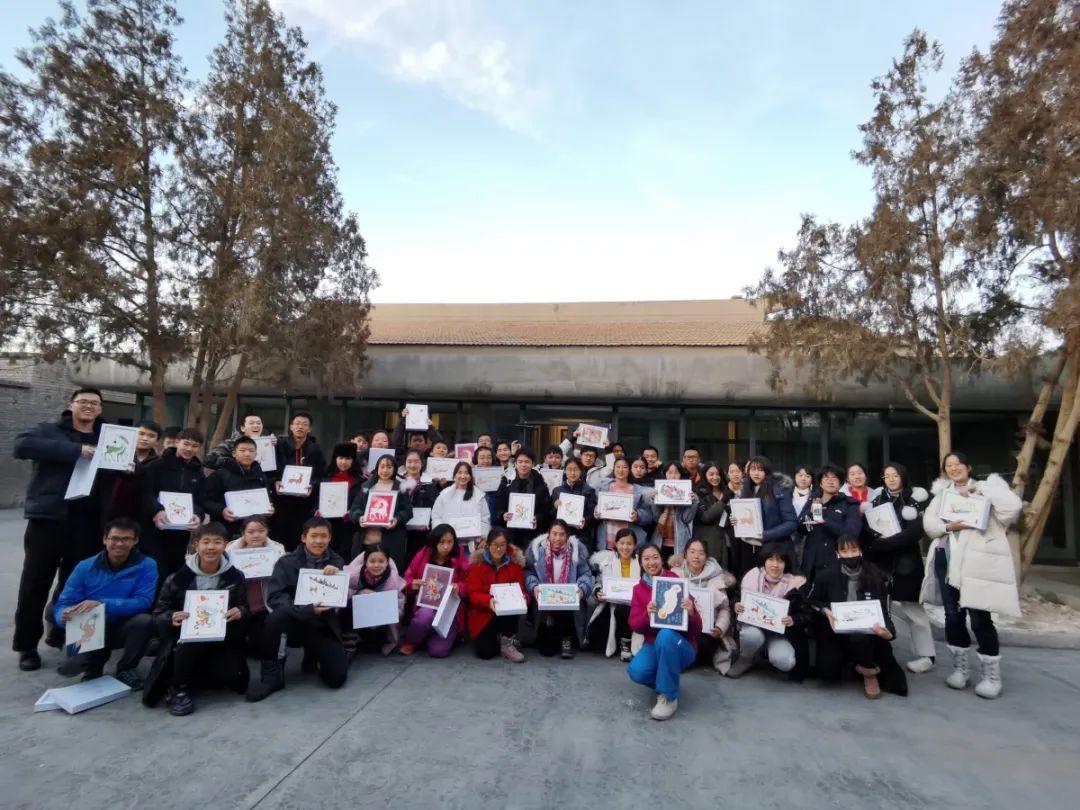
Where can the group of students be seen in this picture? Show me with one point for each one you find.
(815, 549)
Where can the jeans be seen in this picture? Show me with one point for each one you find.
(420, 633)
(956, 631)
(659, 665)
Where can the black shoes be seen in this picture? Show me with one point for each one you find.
(29, 661)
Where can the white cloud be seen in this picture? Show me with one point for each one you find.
(453, 46)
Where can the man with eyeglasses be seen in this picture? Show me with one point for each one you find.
(123, 580)
(59, 533)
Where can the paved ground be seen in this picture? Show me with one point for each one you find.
(465, 733)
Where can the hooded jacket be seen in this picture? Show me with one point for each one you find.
(125, 591)
(483, 573)
(186, 578)
(54, 447)
(981, 564)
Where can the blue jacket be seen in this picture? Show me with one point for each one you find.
(54, 447)
(124, 592)
(778, 515)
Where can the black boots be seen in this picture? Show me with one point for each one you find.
(271, 679)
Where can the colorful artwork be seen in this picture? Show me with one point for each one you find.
(434, 586)
(761, 610)
(522, 508)
(558, 597)
(618, 590)
(313, 587)
(464, 452)
(857, 617)
(206, 616)
(333, 499)
(116, 444)
(668, 594)
(246, 502)
(746, 517)
(571, 509)
(85, 632)
(592, 436)
(487, 479)
(615, 505)
(380, 508)
(179, 509)
(442, 468)
(255, 563)
(882, 519)
(265, 454)
(673, 493)
(295, 480)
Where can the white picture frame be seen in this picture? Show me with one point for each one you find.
(746, 517)
(592, 436)
(420, 520)
(85, 632)
(255, 563)
(380, 508)
(295, 480)
(81, 482)
(619, 590)
(313, 587)
(333, 499)
(705, 604)
(615, 505)
(377, 609)
(179, 509)
(571, 508)
(86, 695)
(553, 478)
(206, 616)
(442, 468)
(446, 615)
(466, 527)
(673, 492)
(247, 502)
(464, 451)
(487, 479)
(416, 417)
(116, 446)
(668, 594)
(558, 597)
(972, 510)
(266, 453)
(522, 509)
(882, 519)
(508, 600)
(764, 611)
(858, 616)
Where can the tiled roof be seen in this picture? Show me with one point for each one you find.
(695, 323)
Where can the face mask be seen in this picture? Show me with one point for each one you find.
(851, 565)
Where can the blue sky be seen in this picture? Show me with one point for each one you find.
(575, 151)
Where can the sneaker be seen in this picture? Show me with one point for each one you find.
(406, 649)
(920, 665)
(664, 708)
(29, 661)
(131, 678)
(567, 648)
(509, 651)
(180, 703)
(625, 654)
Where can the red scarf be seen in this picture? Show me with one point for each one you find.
(565, 555)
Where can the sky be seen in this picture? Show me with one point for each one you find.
(611, 150)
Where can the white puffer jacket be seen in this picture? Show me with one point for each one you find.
(981, 564)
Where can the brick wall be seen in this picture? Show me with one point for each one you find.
(29, 394)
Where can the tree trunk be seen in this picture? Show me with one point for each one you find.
(157, 388)
(225, 417)
(1034, 427)
(1038, 512)
(197, 374)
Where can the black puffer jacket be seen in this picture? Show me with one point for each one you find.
(231, 477)
(177, 584)
(54, 447)
(899, 557)
(282, 589)
(534, 484)
(170, 473)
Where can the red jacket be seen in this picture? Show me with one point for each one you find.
(460, 565)
(482, 575)
(639, 614)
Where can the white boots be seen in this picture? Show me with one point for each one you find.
(989, 685)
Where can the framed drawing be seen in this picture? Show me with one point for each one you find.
(265, 454)
(552, 478)
(571, 509)
(882, 519)
(416, 417)
(761, 610)
(615, 505)
(592, 436)
(466, 526)
(247, 502)
(558, 597)
(85, 632)
(116, 445)
(618, 590)
(295, 480)
(255, 563)
(179, 509)
(522, 508)
(859, 616)
(333, 499)
(380, 508)
(508, 600)
(206, 616)
(438, 468)
(487, 479)
(668, 594)
(313, 587)
(746, 517)
(420, 520)
(464, 452)
(972, 510)
(673, 492)
(434, 586)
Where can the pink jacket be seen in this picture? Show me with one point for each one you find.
(460, 564)
(393, 582)
(639, 614)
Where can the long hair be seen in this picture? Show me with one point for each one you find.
(871, 578)
(469, 486)
(437, 534)
(765, 491)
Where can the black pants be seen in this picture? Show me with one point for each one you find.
(290, 514)
(217, 663)
(131, 634)
(317, 639)
(956, 631)
(169, 550)
(487, 642)
(341, 537)
(51, 549)
(599, 629)
(859, 649)
(553, 627)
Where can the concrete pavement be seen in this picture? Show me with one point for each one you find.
(549, 733)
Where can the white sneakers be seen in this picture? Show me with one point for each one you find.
(664, 708)
(990, 685)
(920, 665)
(958, 679)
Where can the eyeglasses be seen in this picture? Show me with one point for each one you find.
(127, 541)
(87, 402)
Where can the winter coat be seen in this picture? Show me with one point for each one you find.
(121, 492)
(639, 614)
(482, 575)
(281, 590)
(54, 447)
(460, 564)
(899, 557)
(832, 587)
(231, 477)
(285, 452)
(170, 473)
(842, 518)
(126, 591)
(451, 503)
(403, 510)
(393, 582)
(605, 564)
(871, 495)
(534, 484)
(707, 523)
(646, 516)
(259, 586)
(580, 574)
(223, 452)
(981, 564)
(717, 580)
(589, 494)
(684, 524)
(176, 586)
(777, 514)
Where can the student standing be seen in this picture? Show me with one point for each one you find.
(574, 484)
(840, 517)
(777, 513)
(641, 512)
(712, 509)
(394, 535)
(674, 524)
(178, 470)
(525, 480)
(300, 449)
(236, 474)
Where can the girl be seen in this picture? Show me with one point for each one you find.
(871, 653)
(373, 571)
(971, 571)
(616, 449)
(380, 440)
(639, 472)
(574, 484)
(485, 457)
(503, 452)
(733, 489)
(557, 558)
(498, 563)
(839, 516)
(343, 469)
(665, 653)
(802, 497)
(421, 496)
(855, 486)
(777, 514)
(900, 559)
(717, 646)
(641, 515)
(462, 499)
(440, 548)
(674, 524)
(610, 621)
(394, 537)
(711, 511)
(775, 577)
(255, 534)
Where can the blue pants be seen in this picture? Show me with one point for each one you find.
(658, 665)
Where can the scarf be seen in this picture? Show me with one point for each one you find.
(374, 584)
(317, 562)
(552, 556)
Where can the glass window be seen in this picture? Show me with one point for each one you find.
(857, 437)
(659, 427)
(368, 415)
(500, 420)
(722, 436)
(788, 438)
(270, 409)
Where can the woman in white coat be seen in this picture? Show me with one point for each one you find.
(971, 571)
(462, 499)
